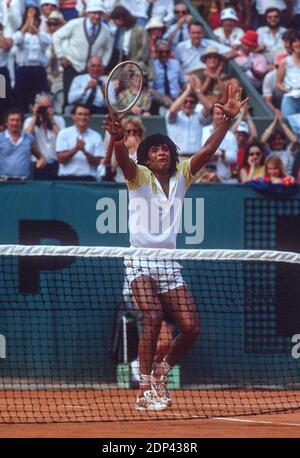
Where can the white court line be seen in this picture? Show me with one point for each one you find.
(274, 423)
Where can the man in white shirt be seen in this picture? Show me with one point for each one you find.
(89, 87)
(44, 126)
(157, 185)
(47, 7)
(79, 148)
(81, 38)
(229, 34)
(184, 124)
(226, 153)
(270, 35)
(262, 5)
(188, 52)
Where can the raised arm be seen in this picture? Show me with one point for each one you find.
(230, 109)
(113, 126)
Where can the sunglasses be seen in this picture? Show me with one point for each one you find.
(180, 11)
(133, 131)
(191, 102)
(163, 53)
(256, 153)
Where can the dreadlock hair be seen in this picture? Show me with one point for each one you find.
(156, 140)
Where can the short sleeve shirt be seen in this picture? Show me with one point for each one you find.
(154, 218)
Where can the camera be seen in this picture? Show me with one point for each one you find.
(42, 111)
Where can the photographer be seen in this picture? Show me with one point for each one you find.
(44, 126)
(89, 87)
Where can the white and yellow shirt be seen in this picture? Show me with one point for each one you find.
(154, 218)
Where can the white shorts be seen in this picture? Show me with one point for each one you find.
(166, 274)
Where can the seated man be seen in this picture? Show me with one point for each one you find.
(79, 148)
(169, 79)
(89, 87)
(16, 148)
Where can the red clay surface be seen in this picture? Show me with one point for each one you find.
(58, 411)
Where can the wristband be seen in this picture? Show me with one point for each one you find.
(121, 140)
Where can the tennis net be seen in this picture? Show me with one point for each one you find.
(68, 339)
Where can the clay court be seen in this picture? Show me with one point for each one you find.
(74, 414)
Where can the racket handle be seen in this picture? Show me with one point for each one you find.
(109, 150)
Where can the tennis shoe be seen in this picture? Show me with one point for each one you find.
(149, 401)
(159, 386)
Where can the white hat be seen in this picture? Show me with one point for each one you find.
(95, 5)
(228, 13)
(243, 127)
(49, 2)
(55, 16)
(154, 23)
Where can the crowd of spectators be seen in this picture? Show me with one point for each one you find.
(55, 56)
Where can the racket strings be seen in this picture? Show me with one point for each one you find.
(126, 81)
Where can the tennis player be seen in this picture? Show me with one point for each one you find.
(156, 183)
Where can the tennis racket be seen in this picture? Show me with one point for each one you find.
(123, 88)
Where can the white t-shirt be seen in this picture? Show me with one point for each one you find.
(46, 140)
(186, 131)
(78, 165)
(229, 146)
(154, 218)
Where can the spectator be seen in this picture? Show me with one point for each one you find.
(156, 29)
(161, 9)
(31, 47)
(226, 154)
(131, 41)
(16, 148)
(134, 130)
(229, 34)
(275, 171)
(245, 132)
(12, 11)
(270, 35)
(54, 68)
(80, 39)
(89, 87)
(211, 78)
(275, 139)
(169, 79)
(179, 30)
(261, 7)
(68, 9)
(5, 46)
(253, 165)
(288, 79)
(144, 102)
(47, 7)
(189, 52)
(296, 15)
(254, 65)
(44, 126)
(79, 148)
(271, 94)
(185, 124)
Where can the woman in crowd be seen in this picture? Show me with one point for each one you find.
(253, 166)
(30, 47)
